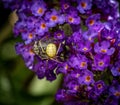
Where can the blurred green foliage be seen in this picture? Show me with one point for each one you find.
(18, 85)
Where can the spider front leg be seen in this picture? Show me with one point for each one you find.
(58, 49)
(53, 59)
(44, 57)
(41, 47)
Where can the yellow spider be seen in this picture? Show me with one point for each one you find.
(46, 49)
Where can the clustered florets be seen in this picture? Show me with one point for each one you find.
(85, 35)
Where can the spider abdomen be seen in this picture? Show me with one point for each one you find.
(51, 50)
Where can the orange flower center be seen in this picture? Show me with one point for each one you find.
(77, 75)
(58, 34)
(76, 87)
(91, 22)
(85, 49)
(99, 86)
(88, 78)
(103, 50)
(118, 44)
(66, 67)
(43, 25)
(54, 18)
(117, 93)
(70, 19)
(31, 51)
(40, 10)
(82, 64)
(30, 35)
(101, 63)
(66, 6)
(83, 4)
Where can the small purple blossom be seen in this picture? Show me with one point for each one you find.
(54, 17)
(80, 62)
(40, 69)
(84, 5)
(28, 37)
(93, 19)
(87, 78)
(111, 100)
(115, 70)
(73, 18)
(76, 37)
(41, 27)
(99, 87)
(65, 5)
(38, 8)
(104, 48)
(101, 62)
(115, 91)
(90, 35)
(84, 47)
(59, 35)
(61, 95)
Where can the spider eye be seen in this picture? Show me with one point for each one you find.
(51, 50)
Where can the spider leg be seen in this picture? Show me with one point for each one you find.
(45, 57)
(55, 60)
(58, 48)
(41, 47)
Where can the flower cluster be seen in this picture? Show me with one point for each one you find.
(77, 38)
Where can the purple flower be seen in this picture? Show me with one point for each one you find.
(80, 62)
(93, 19)
(117, 43)
(28, 37)
(41, 27)
(107, 32)
(84, 46)
(87, 78)
(92, 95)
(104, 48)
(38, 8)
(45, 69)
(31, 22)
(99, 87)
(73, 18)
(65, 5)
(75, 74)
(111, 100)
(19, 27)
(84, 5)
(115, 70)
(115, 90)
(114, 12)
(63, 68)
(90, 35)
(101, 62)
(40, 69)
(83, 62)
(59, 35)
(54, 17)
(61, 95)
(97, 27)
(76, 37)
(73, 87)
(27, 53)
